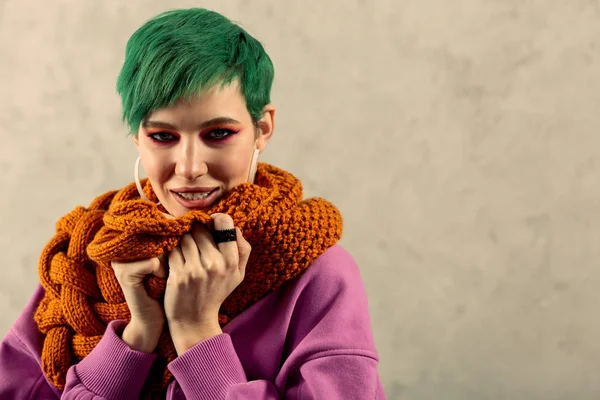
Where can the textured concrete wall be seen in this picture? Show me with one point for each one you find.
(459, 138)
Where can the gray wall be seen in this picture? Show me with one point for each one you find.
(459, 138)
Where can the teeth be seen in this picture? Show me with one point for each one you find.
(194, 196)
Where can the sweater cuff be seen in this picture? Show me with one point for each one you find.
(113, 369)
(209, 369)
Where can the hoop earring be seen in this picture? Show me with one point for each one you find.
(136, 177)
(253, 165)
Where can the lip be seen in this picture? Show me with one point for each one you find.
(202, 189)
(196, 204)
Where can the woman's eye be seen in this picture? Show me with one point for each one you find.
(220, 134)
(162, 136)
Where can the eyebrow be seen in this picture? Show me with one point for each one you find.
(205, 124)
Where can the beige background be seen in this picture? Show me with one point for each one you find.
(459, 138)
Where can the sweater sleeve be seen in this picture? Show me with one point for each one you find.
(331, 353)
(110, 370)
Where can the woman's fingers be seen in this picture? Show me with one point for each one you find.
(132, 273)
(189, 250)
(198, 248)
(164, 261)
(206, 245)
(160, 269)
(244, 249)
(144, 310)
(176, 259)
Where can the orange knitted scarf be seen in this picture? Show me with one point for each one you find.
(82, 295)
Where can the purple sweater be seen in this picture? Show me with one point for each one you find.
(310, 339)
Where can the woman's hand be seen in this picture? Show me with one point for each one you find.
(201, 276)
(147, 317)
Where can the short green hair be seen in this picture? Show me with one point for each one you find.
(179, 53)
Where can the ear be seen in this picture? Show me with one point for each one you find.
(136, 141)
(266, 126)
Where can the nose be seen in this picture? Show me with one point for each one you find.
(191, 163)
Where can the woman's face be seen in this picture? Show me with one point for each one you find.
(196, 151)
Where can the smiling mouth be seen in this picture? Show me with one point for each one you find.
(195, 196)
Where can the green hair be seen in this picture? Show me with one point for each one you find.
(180, 53)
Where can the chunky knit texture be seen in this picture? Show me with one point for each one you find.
(83, 295)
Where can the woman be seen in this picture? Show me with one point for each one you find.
(212, 278)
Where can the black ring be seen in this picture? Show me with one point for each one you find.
(224, 235)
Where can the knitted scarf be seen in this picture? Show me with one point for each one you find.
(82, 294)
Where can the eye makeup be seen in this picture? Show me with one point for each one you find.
(218, 134)
(161, 136)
